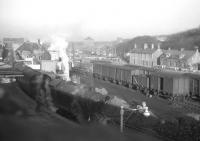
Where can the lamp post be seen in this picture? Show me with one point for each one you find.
(121, 118)
(143, 109)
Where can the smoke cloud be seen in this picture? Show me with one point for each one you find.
(59, 45)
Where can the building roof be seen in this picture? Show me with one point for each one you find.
(28, 46)
(152, 71)
(89, 38)
(177, 54)
(13, 40)
(144, 51)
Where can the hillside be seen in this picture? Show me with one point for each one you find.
(186, 39)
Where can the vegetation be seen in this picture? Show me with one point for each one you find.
(187, 40)
(88, 111)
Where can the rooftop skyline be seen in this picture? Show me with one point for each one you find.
(101, 20)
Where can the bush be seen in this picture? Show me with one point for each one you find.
(179, 129)
(182, 129)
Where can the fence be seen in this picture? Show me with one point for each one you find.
(191, 106)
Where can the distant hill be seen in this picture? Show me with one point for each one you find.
(186, 39)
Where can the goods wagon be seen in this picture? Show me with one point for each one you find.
(167, 82)
(172, 83)
(194, 84)
(97, 70)
(115, 73)
(154, 82)
(140, 77)
(126, 76)
(112, 72)
(123, 75)
(105, 72)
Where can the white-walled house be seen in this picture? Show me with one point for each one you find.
(147, 56)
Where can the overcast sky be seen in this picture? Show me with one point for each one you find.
(100, 19)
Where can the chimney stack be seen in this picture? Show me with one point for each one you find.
(152, 46)
(197, 48)
(39, 42)
(182, 49)
(158, 45)
(145, 46)
(135, 45)
(169, 48)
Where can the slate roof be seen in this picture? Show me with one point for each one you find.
(175, 54)
(143, 51)
(28, 46)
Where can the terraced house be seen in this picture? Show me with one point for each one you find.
(180, 59)
(147, 56)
